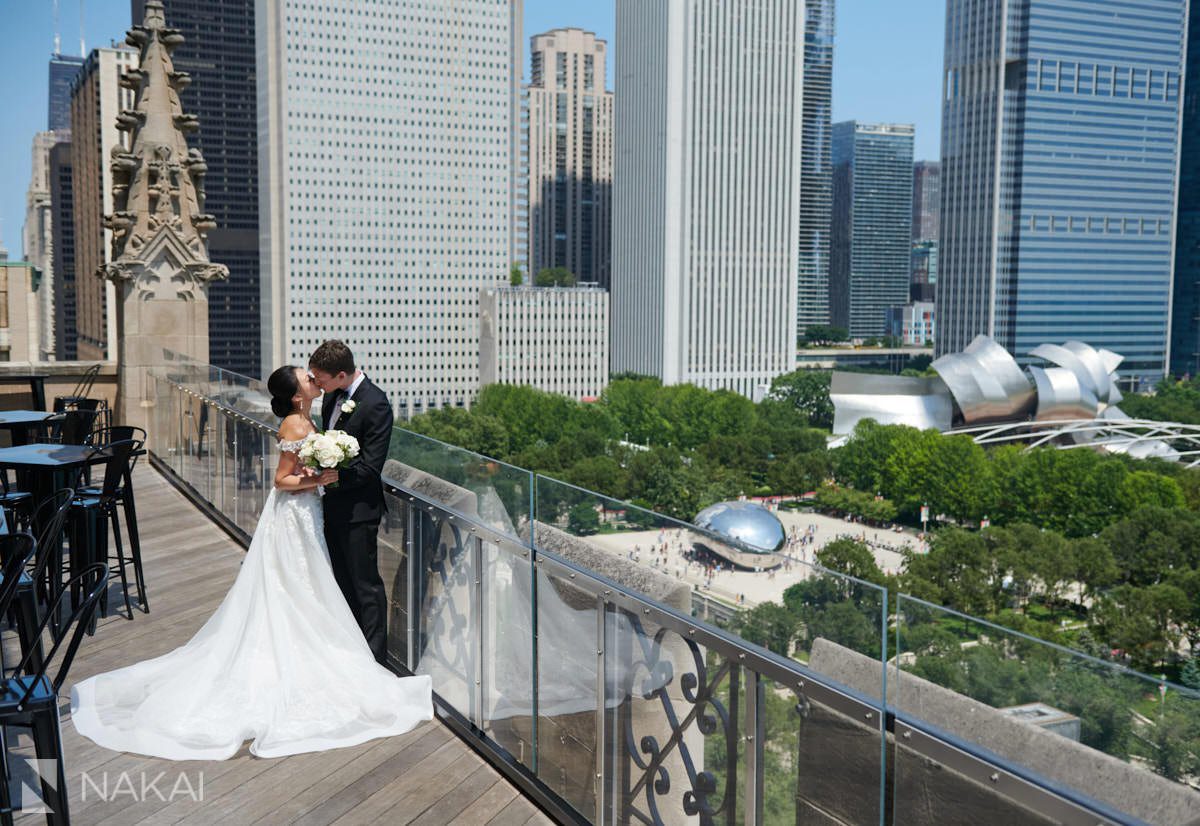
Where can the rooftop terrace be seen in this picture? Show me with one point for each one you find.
(427, 776)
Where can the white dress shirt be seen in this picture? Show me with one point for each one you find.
(350, 391)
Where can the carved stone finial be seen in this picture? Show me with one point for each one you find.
(158, 223)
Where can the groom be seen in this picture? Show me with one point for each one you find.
(354, 508)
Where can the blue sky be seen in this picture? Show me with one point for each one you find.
(887, 68)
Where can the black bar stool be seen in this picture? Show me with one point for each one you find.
(17, 552)
(17, 504)
(103, 437)
(46, 575)
(31, 701)
(81, 389)
(95, 512)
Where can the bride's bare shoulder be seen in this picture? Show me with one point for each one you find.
(294, 427)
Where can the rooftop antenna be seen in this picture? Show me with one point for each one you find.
(57, 39)
(82, 50)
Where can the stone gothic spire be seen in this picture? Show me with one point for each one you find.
(159, 226)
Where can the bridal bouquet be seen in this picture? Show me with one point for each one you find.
(331, 449)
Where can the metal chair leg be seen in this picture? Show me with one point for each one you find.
(116, 529)
(47, 743)
(6, 813)
(135, 546)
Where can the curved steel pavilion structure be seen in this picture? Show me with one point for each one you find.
(982, 392)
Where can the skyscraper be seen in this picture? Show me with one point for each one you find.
(385, 147)
(97, 97)
(706, 199)
(570, 155)
(38, 237)
(551, 338)
(927, 192)
(926, 201)
(1185, 305)
(63, 69)
(816, 168)
(218, 52)
(1059, 175)
(66, 332)
(872, 217)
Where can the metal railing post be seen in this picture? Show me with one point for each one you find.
(754, 735)
(601, 702)
(480, 637)
(410, 544)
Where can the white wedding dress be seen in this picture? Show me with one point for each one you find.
(282, 662)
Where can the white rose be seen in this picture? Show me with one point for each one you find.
(348, 406)
(348, 444)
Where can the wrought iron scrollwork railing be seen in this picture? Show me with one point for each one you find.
(605, 703)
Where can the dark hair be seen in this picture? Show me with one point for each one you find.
(332, 357)
(283, 386)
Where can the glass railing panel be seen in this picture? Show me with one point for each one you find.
(569, 645)
(821, 762)
(775, 600)
(223, 461)
(446, 641)
(194, 420)
(674, 717)
(159, 435)
(394, 570)
(252, 473)
(494, 493)
(1088, 725)
(177, 425)
(246, 396)
(509, 648)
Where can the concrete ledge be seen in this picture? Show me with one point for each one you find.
(1124, 786)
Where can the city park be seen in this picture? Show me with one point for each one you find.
(1074, 560)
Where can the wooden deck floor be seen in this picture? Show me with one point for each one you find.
(427, 776)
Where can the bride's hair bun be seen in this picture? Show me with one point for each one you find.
(283, 386)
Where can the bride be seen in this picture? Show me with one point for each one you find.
(282, 661)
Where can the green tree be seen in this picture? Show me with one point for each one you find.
(825, 334)
(957, 572)
(847, 625)
(515, 277)
(798, 474)
(1189, 675)
(1094, 567)
(1141, 621)
(807, 391)
(631, 403)
(770, 625)
(1143, 489)
(847, 556)
(583, 520)
(554, 277)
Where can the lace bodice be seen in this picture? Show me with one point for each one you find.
(290, 446)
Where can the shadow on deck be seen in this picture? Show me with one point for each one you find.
(427, 776)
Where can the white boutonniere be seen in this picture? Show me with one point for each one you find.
(348, 406)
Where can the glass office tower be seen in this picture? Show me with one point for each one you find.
(219, 53)
(872, 224)
(63, 69)
(1060, 134)
(816, 168)
(1185, 315)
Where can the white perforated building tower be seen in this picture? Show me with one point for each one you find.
(706, 189)
(385, 171)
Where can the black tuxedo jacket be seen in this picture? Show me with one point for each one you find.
(358, 496)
